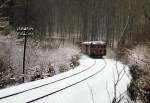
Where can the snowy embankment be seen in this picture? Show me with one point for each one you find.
(92, 81)
(38, 60)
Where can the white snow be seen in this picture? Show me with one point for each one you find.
(37, 58)
(93, 42)
(82, 92)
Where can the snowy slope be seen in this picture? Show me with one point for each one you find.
(85, 84)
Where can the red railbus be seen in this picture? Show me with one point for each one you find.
(94, 48)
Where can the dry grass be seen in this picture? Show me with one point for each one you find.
(137, 58)
(140, 80)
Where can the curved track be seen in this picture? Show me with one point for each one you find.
(49, 83)
(97, 72)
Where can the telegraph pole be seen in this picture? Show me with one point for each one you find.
(24, 31)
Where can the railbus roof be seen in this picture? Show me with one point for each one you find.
(93, 43)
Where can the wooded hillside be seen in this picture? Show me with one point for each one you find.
(110, 20)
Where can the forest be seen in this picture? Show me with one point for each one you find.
(109, 20)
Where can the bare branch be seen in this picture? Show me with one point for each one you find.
(124, 29)
(120, 75)
(90, 91)
(108, 91)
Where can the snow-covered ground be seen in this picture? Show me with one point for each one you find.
(91, 82)
(140, 54)
(37, 58)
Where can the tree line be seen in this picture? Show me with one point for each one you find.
(113, 21)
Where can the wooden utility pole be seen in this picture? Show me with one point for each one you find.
(24, 31)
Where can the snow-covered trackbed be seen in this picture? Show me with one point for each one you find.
(81, 78)
(44, 84)
(81, 85)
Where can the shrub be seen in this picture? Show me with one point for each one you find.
(140, 80)
(75, 61)
(63, 68)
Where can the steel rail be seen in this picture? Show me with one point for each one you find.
(50, 82)
(69, 85)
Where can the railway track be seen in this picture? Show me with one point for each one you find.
(13, 97)
(14, 94)
(99, 71)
